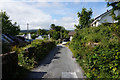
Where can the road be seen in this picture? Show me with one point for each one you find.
(58, 64)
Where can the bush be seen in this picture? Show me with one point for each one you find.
(58, 41)
(29, 56)
(97, 50)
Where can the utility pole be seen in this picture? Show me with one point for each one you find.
(27, 30)
(27, 27)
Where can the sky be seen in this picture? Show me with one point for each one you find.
(40, 14)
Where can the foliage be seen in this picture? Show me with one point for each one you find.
(42, 32)
(57, 28)
(57, 32)
(58, 41)
(52, 26)
(7, 26)
(21, 33)
(115, 6)
(84, 18)
(97, 50)
(65, 34)
(29, 56)
(33, 35)
(115, 28)
(54, 34)
(45, 38)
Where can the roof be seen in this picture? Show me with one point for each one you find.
(97, 18)
(71, 33)
(103, 14)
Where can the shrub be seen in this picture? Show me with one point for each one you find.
(30, 55)
(58, 41)
(97, 50)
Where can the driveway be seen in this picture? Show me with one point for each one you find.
(58, 64)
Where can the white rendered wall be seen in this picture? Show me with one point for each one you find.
(71, 38)
(108, 18)
(97, 23)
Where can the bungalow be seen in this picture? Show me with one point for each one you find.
(105, 18)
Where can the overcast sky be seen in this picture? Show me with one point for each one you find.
(42, 13)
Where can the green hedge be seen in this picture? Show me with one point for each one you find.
(97, 50)
(29, 56)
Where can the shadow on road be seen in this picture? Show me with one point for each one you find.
(52, 55)
(35, 75)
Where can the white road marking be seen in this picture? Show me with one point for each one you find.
(69, 75)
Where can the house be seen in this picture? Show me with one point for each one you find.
(105, 18)
(13, 40)
(28, 36)
(39, 37)
(71, 34)
(43, 36)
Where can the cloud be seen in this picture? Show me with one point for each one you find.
(67, 22)
(53, 0)
(56, 8)
(23, 13)
(41, 14)
(32, 13)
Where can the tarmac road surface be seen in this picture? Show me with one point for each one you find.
(57, 64)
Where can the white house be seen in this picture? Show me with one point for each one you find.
(71, 34)
(105, 18)
(28, 36)
(41, 36)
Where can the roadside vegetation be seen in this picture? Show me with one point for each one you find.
(30, 55)
(56, 32)
(8, 28)
(97, 49)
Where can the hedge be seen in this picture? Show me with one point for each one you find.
(97, 50)
(30, 55)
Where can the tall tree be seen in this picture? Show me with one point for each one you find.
(54, 34)
(7, 26)
(57, 32)
(52, 26)
(42, 32)
(65, 34)
(84, 18)
(57, 28)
